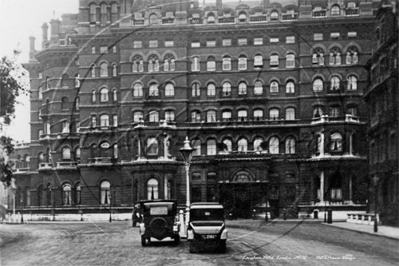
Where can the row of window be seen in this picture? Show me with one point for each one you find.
(335, 56)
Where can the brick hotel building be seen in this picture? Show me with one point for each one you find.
(270, 96)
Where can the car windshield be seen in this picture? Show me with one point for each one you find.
(206, 214)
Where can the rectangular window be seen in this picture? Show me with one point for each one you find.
(352, 34)
(242, 41)
(137, 44)
(290, 39)
(318, 36)
(195, 44)
(258, 41)
(334, 35)
(226, 42)
(103, 49)
(62, 42)
(274, 40)
(93, 50)
(153, 44)
(169, 44)
(211, 43)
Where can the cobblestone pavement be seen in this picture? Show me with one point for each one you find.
(118, 243)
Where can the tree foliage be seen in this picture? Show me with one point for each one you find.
(13, 82)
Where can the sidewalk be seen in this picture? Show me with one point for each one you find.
(383, 231)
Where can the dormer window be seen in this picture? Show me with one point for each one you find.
(274, 15)
(211, 19)
(242, 17)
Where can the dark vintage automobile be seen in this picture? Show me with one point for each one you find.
(158, 221)
(206, 228)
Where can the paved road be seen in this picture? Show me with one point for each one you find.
(118, 243)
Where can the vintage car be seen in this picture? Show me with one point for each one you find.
(158, 221)
(206, 228)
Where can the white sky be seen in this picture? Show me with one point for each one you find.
(20, 19)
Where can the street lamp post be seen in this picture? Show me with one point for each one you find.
(187, 153)
(375, 179)
(110, 206)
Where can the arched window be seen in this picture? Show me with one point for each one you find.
(274, 114)
(290, 61)
(138, 116)
(104, 95)
(226, 63)
(137, 90)
(197, 147)
(153, 65)
(211, 89)
(93, 121)
(258, 88)
(103, 14)
(335, 111)
(66, 194)
(274, 61)
(64, 104)
(242, 115)
(228, 145)
(93, 71)
(65, 127)
(211, 116)
(114, 120)
(114, 70)
(211, 18)
(103, 70)
(226, 116)
(211, 147)
(78, 194)
(257, 144)
(114, 95)
(153, 19)
(195, 88)
(152, 189)
(93, 96)
(105, 193)
(242, 62)
(242, 88)
(226, 89)
(335, 11)
(274, 15)
(154, 116)
(352, 83)
(290, 145)
(211, 64)
(93, 10)
(152, 146)
(115, 151)
(258, 114)
(242, 145)
(318, 57)
(138, 65)
(242, 17)
(258, 61)
(290, 113)
(66, 154)
(336, 142)
(274, 87)
(195, 116)
(104, 120)
(114, 12)
(64, 80)
(172, 64)
(335, 83)
(195, 64)
(335, 57)
(274, 145)
(290, 87)
(352, 56)
(166, 65)
(153, 91)
(318, 85)
(169, 90)
(77, 154)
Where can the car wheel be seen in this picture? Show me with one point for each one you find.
(143, 241)
(222, 247)
(177, 239)
(158, 226)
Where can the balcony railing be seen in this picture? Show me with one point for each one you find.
(195, 21)
(258, 19)
(319, 14)
(226, 20)
(352, 12)
(45, 165)
(101, 160)
(288, 17)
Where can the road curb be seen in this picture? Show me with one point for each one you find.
(362, 232)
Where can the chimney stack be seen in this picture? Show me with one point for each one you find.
(44, 35)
